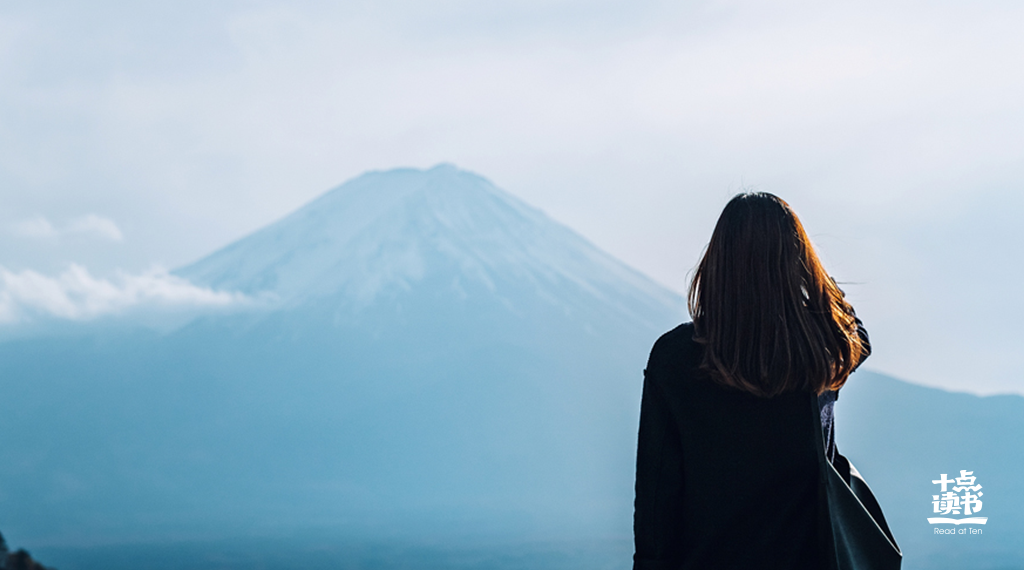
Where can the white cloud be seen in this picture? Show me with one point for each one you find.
(76, 295)
(93, 224)
(38, 227)
(90, 224)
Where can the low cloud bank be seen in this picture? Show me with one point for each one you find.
(91, 224)
(76, 295)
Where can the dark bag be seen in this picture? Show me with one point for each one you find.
(856, 535)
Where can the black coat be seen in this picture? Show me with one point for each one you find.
(724, 479)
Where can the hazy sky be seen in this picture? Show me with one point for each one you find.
(136, 136)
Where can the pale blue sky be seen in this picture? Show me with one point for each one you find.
(134, 134)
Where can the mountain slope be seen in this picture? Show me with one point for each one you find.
(431, 354)
(386, 231)
(902, 437)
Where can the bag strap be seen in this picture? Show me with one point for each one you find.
(819, 436)
(826, 545)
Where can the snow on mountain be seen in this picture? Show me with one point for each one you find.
(386, 231)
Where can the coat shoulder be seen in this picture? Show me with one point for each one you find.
(673, 350)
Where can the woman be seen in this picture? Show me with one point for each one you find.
(727, 474)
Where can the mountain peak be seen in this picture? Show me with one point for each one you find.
(444, 167)
(389, 230)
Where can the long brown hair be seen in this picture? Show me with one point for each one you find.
(770, 318)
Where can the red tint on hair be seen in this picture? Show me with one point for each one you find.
(770, 318)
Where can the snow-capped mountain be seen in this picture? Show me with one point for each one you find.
(427, 348)
(385, 232)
